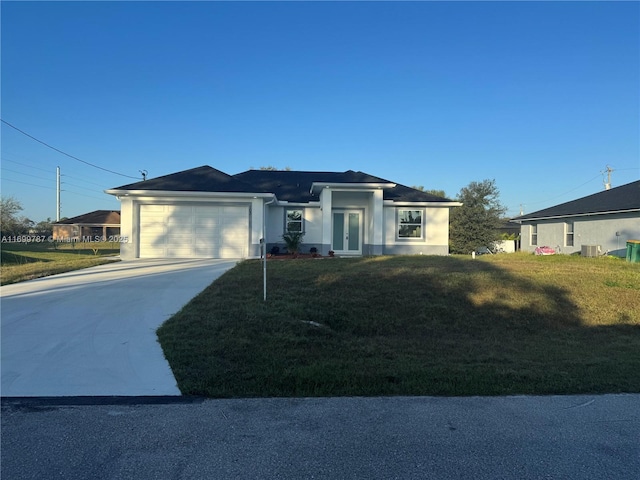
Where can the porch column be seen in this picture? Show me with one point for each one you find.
(377, 234)
(327, 227)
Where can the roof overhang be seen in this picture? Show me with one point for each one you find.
(405, 203)
(573, 215)
(171, 193)
(317, 187)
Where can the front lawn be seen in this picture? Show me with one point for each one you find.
(26, 261)
(418, 325)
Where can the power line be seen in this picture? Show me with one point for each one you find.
(64, 153)
(25, 183)
(83, 195)
(25, 174)
(79, 186)
(572, 190)
(5, 159)
(563, 194)
(83, 180)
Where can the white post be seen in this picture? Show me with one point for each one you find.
(57, 194)
(263, 246)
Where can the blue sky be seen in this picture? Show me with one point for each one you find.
(539, 96)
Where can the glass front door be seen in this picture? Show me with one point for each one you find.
(347, 232)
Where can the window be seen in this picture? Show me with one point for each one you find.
(409, 223)
(568, 228)
(534, 234)
(294, 221)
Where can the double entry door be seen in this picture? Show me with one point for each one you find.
(347, 232)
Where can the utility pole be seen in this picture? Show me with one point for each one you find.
(57, 194)
(521, 209)
(607, 184)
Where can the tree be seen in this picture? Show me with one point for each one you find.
(272, 168)
(437, 193)
(10, 223)
(475, 224)
(45, 227)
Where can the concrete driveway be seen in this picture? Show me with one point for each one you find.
(92, 332)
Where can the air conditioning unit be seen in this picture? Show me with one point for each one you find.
(590, 250)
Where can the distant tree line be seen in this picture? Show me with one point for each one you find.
(12, 223)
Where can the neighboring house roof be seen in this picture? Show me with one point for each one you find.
(287, 185)
(101, 217)
(625, 198)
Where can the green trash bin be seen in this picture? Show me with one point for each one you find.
(633, 251)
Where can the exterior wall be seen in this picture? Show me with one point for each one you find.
(587, 230)
(130, 219)
(311, 224)
(379, 227)
(76, 232)
(435, 240)
(255, 226)
(64, 232)
(379, 235)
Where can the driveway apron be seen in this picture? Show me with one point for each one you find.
(92, 332)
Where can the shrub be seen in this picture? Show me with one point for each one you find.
(293, 241)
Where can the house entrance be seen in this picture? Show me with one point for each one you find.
(347, 232)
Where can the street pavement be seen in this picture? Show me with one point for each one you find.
(522, 437)
(93, 331)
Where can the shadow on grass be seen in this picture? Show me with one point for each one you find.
(10, 258)
(398, 326)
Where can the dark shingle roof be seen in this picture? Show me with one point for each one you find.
(295, 186)
(200, 179)
(105, 217)
(287, 185)
(619, 199)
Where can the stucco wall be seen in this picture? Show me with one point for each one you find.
(435, 240)
(589, 230)
(312, 225)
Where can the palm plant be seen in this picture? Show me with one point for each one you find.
(293, 241)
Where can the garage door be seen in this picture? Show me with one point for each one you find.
(187, 231)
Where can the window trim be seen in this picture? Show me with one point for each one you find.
(287, 221)
(534, 234)
(420, 225)
(569, 234)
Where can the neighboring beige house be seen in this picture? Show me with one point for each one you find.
(203, 212)
(100, 223)
(602, 222)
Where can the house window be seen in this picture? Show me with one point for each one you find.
(534, 234)
(568, 228)
(294, 221)
(410, 224)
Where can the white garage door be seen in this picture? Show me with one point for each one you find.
(187, 231)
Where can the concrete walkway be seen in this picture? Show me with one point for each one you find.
(92, 331)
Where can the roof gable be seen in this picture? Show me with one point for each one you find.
(200, 179)
(619, 199)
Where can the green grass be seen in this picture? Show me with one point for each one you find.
(26, 261)
(418, 325)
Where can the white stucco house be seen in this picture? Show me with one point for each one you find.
(203, 212)
(602, 222)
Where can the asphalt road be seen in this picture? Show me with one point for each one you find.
(553, 437)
